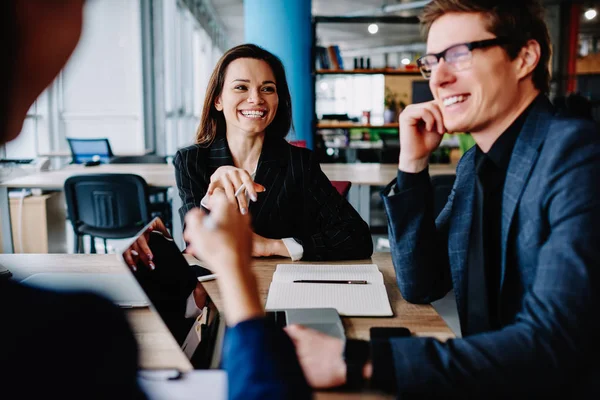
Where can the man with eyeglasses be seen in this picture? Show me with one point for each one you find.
(518, 239)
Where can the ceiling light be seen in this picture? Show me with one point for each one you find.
(373, 28)
(589, 14)
(405, 61)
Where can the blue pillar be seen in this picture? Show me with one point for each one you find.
(284, 28)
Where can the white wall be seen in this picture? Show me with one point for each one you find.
(189, 58)
(35, 137)
(100, 91)
(351, 94)
(102, 85)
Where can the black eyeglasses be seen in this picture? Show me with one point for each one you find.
(458, 56)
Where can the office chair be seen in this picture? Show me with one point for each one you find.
(390, 150)
(84, 150)
(108, 206)
(442, 186)
(160, 205)
(343, 187)
(298, 143)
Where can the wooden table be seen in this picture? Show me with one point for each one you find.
(422, 320)
(158, 348)
(362, 177)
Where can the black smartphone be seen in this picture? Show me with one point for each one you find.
(202, 273)
(387, 333)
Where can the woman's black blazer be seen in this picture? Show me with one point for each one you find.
(299, 200)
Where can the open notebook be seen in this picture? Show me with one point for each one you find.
(360, 300)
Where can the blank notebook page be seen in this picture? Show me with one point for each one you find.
(349, 299)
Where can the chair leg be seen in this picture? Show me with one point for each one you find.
(92, 245)
(105, 246)
(77, 247)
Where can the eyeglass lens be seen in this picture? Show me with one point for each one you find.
(459, 57)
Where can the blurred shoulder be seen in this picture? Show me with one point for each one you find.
(16, 298)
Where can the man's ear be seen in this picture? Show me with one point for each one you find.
(528, 58)
(218, 104)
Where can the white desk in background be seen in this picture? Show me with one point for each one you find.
(362, 177)
(156, 175)
(365, 175)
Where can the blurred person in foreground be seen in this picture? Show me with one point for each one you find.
(78, 345)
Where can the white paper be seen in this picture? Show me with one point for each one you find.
(348, 299)
(292, 272)
(193, 385)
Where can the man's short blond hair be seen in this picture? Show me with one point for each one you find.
(517, 20)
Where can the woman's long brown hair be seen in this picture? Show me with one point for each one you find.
(212, 122)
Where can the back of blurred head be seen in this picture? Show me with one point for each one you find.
(37, 38)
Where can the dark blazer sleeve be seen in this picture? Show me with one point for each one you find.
(553, 341)
(189, 175)
(261, 363)
(419, 243)
(335, 230)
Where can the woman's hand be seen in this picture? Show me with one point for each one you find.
(229, 237)
(230, 179)
(263, 247)
(223, 240)
(140, 251)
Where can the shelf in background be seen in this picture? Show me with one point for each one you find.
(377, 71)
(350, 125)
(356, 144)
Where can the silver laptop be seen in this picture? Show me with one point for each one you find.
(325, 320)
(122, 289)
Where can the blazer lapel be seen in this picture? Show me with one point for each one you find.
(218, 156)
(522, 161)
(270, 173)
(460, 227)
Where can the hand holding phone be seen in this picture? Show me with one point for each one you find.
(203, 274)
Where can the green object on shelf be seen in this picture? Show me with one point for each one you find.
(465, 141)
(355, 133)
(377, 133)
(374, 133)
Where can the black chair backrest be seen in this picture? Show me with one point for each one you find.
(391, 148)
(145, 159)
(107, 201)
(442, 186)
(84, 150)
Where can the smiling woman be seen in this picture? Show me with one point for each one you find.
(240, 149)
